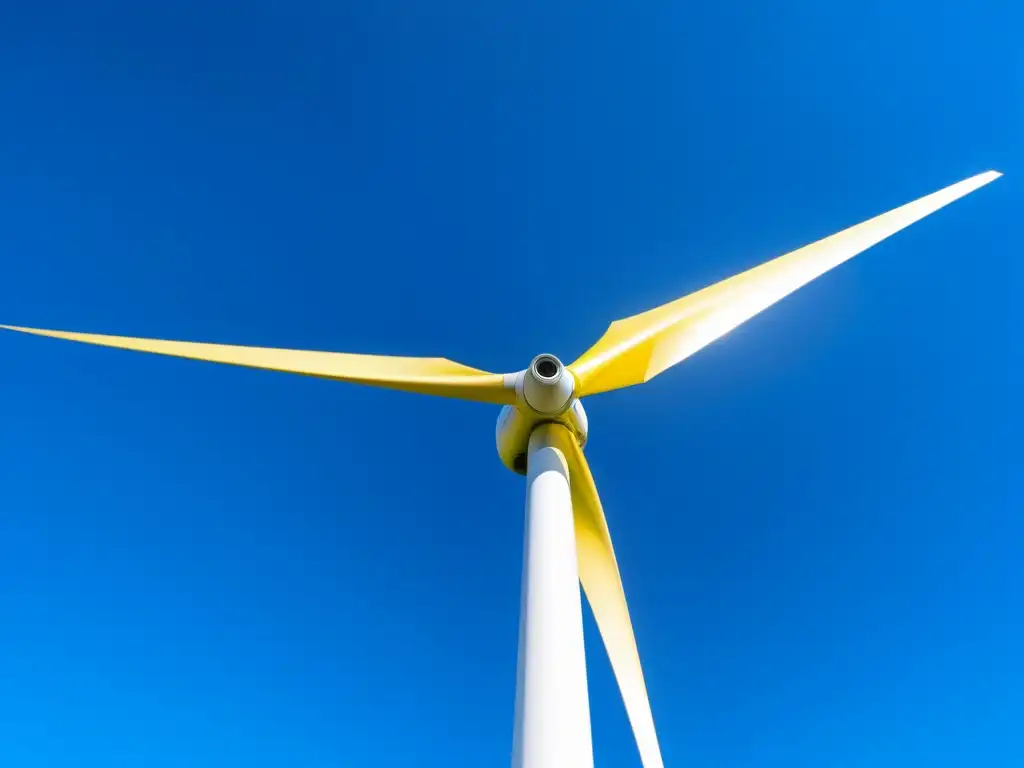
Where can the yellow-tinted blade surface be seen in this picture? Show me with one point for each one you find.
(638, 348)
(427, 375)
(599, 575)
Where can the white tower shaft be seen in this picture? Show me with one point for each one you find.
(552, 722)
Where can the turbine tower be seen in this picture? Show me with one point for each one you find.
(541, 432)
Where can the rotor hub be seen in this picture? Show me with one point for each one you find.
(547, 386)
(545, 394)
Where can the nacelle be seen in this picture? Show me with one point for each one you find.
(544, 395)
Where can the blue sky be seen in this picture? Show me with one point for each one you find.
(818, 518)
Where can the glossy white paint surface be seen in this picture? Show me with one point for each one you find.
(552, 723)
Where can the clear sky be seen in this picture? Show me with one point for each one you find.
(819, 518)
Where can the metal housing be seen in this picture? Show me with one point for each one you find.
(544, 395)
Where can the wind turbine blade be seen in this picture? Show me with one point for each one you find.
(426, 375)
(599, 575)
(638, 348)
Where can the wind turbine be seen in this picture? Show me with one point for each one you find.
(541, 432)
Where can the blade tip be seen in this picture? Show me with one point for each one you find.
(19, 329)
(975, 182)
